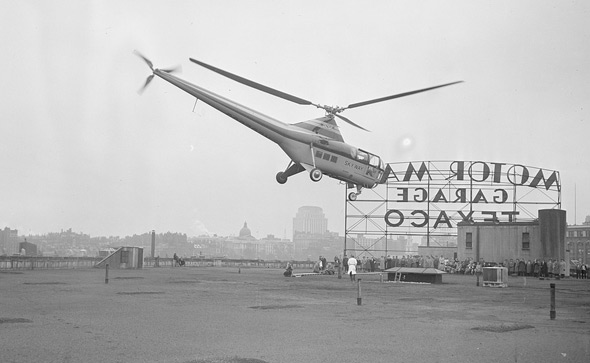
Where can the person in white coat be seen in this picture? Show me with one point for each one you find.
(352, 268)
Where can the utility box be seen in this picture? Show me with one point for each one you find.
(495, 276)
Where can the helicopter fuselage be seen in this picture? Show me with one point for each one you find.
(308, 148)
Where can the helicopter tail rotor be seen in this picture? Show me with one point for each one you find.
(151, 65)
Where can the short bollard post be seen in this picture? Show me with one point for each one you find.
(359, 299)
(477, 280)
(339, 272)
(106, 274)
(552, 312)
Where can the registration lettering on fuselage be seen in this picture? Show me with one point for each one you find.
(354, 166)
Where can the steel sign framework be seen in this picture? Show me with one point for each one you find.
(428, 198)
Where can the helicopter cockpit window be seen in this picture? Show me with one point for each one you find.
(374, 160)
(362, 156)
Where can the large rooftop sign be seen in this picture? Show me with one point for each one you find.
(429, 198)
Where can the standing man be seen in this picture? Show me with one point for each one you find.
(345, 263)
(352, 268)
(556, 269)
(336, 262)
(544, 269)
(562, 268)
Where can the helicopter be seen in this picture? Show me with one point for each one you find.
(315, 146)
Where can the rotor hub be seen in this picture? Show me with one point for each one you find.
(332, 110)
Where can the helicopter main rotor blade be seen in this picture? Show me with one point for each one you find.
(350, 122)
(364, 103)
(253, 84)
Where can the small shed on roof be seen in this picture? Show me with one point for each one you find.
(415, 274)
(124, 257)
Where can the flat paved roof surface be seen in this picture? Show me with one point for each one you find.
(215, 314)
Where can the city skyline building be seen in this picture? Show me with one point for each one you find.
(8, 241)
(577, 241)
(311, 239)
(310, 220)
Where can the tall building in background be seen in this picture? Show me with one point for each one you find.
(8, 241)
(311, 237)
(577, 240)
(310, 220)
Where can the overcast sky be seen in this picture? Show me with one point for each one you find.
(81, 149)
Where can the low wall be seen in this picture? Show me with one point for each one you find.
(214, 262)
(33, 262)
(38, 262)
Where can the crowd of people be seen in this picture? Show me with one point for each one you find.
(363, 264)
(580, 270)
(550, 268)
(322, 266)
